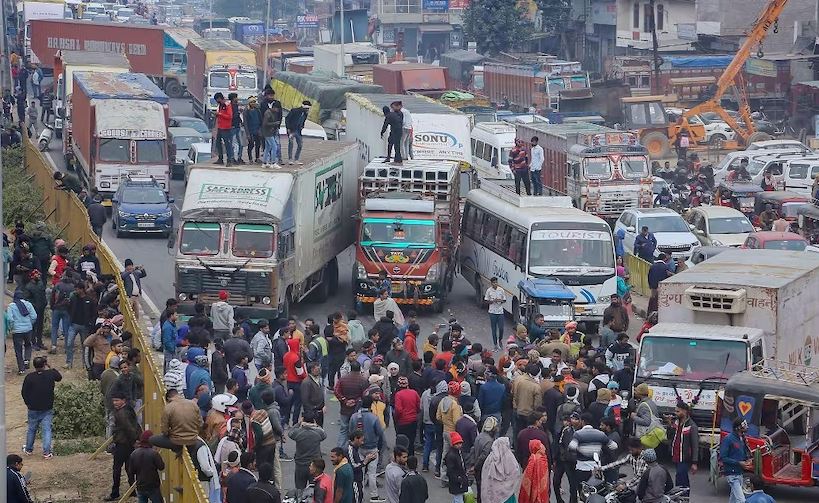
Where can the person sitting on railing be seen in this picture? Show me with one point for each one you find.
(181, 422)
(67, 181)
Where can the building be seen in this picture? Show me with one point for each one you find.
(675, 20)
(415, 25)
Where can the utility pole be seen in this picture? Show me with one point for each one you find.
(5, 81)
(655, 86)
(343, 29)
(266, 43)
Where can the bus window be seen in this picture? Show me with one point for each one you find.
(490, 230)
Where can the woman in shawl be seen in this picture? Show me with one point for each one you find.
(500, 476)
(534, 488)
(483, 447)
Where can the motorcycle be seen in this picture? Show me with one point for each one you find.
(45, 137)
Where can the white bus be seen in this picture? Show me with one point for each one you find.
(521, 237)
(491, 144)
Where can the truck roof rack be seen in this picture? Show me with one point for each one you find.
(791, 373)
(505, 190)
(423, 177)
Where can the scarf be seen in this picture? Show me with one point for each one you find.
(18, 301)
(500, 476)
(534, 488)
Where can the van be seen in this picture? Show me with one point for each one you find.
(799, 175)
(491, 144)
(759, 161)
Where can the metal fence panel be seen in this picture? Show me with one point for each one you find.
(638, 271)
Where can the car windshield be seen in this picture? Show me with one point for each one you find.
(570, 248)
(690, 358)
(398, 233)
(246, 81)
(785, 244)
(598, 167)
(184, 142)
(143, 195)
(150, 151)
(659, 185)
(792, 209)
(220, 80)
(195, 124)
(634, 167)
(755, 166)
(200, 239)
(505, 156)
(668, 223)
(730, 225)
(114, 150)
(253, 240)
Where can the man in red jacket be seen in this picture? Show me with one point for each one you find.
(224, 127)
(295, 375)
(407, 403)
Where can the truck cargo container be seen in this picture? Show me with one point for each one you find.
(247, 31)
(409, 222)
(400, 79)
(38, 10)
(603, 170)
(225, 66)
(545, 83)
(439, 132)
(202, 24)
(724, 315)
(358, 59)
(276, 48)
(119, 125)
(155, 51)
(465, 69)
(284, 227)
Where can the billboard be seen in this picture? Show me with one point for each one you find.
(307, 21)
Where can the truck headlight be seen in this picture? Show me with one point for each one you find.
(183, 297)
(434, 273)
(266, 301)
(604, 299)
(360, 271)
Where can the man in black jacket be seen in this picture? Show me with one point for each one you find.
(15, 482)
(132, 281)
(97, 215)
(294, 122)
(394, 119)
(82, 312)
(144, 465)
(38, 395)
(239, 483)
(264, 491)
(413, 488)
(126, 433)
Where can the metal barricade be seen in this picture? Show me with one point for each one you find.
(64, 210)
(638, 274)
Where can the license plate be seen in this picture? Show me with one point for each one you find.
(579, 309)
(397, 287)
(145, 224)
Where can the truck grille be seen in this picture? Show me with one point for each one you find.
(618, 204)
(240, 283)
(716, 300)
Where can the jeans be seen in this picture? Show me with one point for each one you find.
(272, 149)
(523, 175)
(58, 316)
(224, 136)
(168, 357)
(458, 498)
(343, 432)
(735, 484)
(681, 480)
(152, 495)
(395, 139)
(295, 135)
(37, 334)
(561, 468)
(370, 470)
(406, 142)
(122, 454)
(236, 136)
(429, 443)
(410, 430)
(37, 418)
(439, 447)
(537, 183)
(254, 142)
(22, 349)
(496, 321)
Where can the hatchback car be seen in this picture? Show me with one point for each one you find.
(770, 240)
(194, 123)
(140, 205)
(719, 225)
(673, 234)
(181, 139)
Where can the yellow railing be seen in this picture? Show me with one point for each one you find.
(638, 274)
(64, 210)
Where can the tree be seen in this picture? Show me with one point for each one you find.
(495, 25)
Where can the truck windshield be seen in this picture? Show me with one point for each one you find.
(200, 238)
(150, 151)
(598, 167)
(253, 240)
(246, 81)
(114, 150)
(400, 233)
(220, 80)
(690, 358)
(570, 248)
(634, 167)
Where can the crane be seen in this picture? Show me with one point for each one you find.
(767, 18)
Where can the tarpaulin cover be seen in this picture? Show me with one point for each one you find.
(460, 63)
(698, 61)
(328, 91)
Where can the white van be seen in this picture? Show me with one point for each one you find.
(491, 143)
(799, 175)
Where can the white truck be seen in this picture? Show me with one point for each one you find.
(439, 132)
(357, 60)
(724, 315)
(268, 236)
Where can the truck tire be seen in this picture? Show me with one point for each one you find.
(717, 139)
(173, 89)
(332, 277)
(758, 136)
(657, 144)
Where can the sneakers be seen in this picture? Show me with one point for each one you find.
(377, 499)
(112, 498)
(67, 366)
(27, 453)
(219, 161)
(285, 457)
(289, 162)
(48, 456)
(425, 469)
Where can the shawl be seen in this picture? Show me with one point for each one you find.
(500, 476)
(534, 488)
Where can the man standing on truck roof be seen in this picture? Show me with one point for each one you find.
(395, 120)
(236, 126)
(536, 159)
(294, 122)
(271, 122)
(253, 127)
(519, 162)
(406, 130)
(224, 125)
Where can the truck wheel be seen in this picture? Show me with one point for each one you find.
(173, 89)
(332, 277)
(758, 136)
(284, 311)
(657, 144)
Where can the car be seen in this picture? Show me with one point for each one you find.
(719, 225)
(716, 130)
(658, 183)
(703, 253)
(781, 146)
(758, 162)
(194, 123)
(760, 124)
(124, 14)
(673, 235)
(198, 153)
(770, 240)
(140, 205)
(181, 138)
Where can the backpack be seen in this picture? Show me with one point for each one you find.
(156, 337)
(60, 298)
(434, 402)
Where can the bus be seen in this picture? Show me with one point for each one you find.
(514, 237)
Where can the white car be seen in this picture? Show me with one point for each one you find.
(716, 131)
(719, 225)
(198, 153)
(758, 162)
(672, 233)
(781, 146)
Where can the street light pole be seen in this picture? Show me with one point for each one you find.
(211, 14)
(343, 29)
(266, 42)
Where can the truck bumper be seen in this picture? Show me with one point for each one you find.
(253, 312)
(412, 292)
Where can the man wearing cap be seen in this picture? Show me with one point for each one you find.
(224, 126)
(252, 118)
(736, 459)
(294, 122)
(222, 315)
(653, 482)
(144, 465)
(126, 432)
(406, 405)
(132, 281)
(449, 412)
(456, 468)
(526, 396)
(88, 263)
(566, 460)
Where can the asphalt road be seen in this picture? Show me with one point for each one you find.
(152, 252)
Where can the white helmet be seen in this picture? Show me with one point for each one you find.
(222, 401)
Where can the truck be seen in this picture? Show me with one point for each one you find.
(286, 227)
(358, 59)
(465, 69)
(277, 48)
(400, 79)
(603, 170)
(225, 66)
(439, 132)
(246, 30)
(408, 227)
(65, 64)
(152, 50)
(546, 82)
(118, 128)
(724, 315)
(37, 11)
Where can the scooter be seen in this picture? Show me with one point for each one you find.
(45, 137)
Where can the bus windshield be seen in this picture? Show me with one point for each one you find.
(634, 167)
(690, 358)
(398, 233)
(569, 248)
(200, 238)
(598, 167)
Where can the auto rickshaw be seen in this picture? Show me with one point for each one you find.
(808, 219)
(739, 195)
(785, 203)
(780, 403)
(546, 296)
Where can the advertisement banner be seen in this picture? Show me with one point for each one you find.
(458, 4)
(760, 67)
(436, 5)
(327, 209)
(438, 136)
(307, 21)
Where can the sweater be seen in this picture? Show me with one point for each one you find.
(308, 438)
(406, 404)
(38, 389)
(222, 315)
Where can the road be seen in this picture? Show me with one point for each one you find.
(153, 253)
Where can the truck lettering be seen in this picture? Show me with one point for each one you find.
(804, 354)
(667, 299)
(435, 138)
(212, 190)
(75, 44)
(328, 191)
(761, 303)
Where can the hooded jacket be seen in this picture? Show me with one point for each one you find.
(262, 348)
(222, 315)
(199, 375)
(449, 411)
(358, 336)
(174, 378)
(292, 363)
